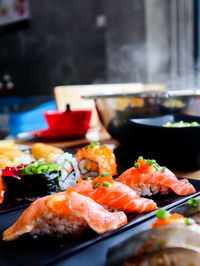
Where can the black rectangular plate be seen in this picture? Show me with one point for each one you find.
(45, 250)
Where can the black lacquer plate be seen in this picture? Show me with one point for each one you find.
(48, 250)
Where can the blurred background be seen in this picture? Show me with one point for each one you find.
(47, 43)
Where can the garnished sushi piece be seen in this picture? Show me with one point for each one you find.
(113, 195)
(69, 170)
(167, 243)
(64, 213)
(31, 181)
(165, 218)
(94, 160)
(148, 178)
(47, 152)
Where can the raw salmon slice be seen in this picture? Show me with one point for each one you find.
(148, 178)
(114, 195)
(65, 213)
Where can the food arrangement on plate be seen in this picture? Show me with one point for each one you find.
(172, 240)
(74, 193)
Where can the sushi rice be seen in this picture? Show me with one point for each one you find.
(150, 189)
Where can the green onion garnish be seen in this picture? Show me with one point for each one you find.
(137, 165)
(193, 202)
(189, 221)
(105, 174)
(162, 214)
(105, 184)
(40, 168)
(89, 178)
(155, 164)
(164, 169)
(140, 158)
(92, 145)
(96, 185)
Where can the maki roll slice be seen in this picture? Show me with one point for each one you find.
(27, 182)
(69, 170)
(95, 159)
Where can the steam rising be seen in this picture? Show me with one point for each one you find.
(164, 54)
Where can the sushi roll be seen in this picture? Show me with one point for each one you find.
(64, 213)
(94, 160)
(69, 170)
(113, 195)
(30, 181)
(147, 178)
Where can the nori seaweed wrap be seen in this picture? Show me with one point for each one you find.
(26, 183)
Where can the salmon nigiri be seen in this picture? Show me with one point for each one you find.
(148, 178)
(65, 213)
(113, 195)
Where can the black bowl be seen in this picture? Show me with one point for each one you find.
(177, 148)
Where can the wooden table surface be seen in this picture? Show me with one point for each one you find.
(103, 137)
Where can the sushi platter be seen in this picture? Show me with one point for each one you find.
(93, 186)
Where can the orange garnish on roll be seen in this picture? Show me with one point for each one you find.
(95, 159)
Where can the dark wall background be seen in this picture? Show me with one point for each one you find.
(61, 44)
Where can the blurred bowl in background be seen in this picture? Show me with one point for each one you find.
(116, 110)
(135, 120)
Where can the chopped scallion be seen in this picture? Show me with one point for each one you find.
(105, 184)
(189, 221)
(193, 202)
(137, 165)
(96, 185)
(93, 144)
(105, 174)
(164, 169)
(162, 214)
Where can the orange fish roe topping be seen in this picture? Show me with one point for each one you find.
(146, 165)
(2, 190)
(101, 155)
(175, 216)
(169, 220)
(61, 203)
